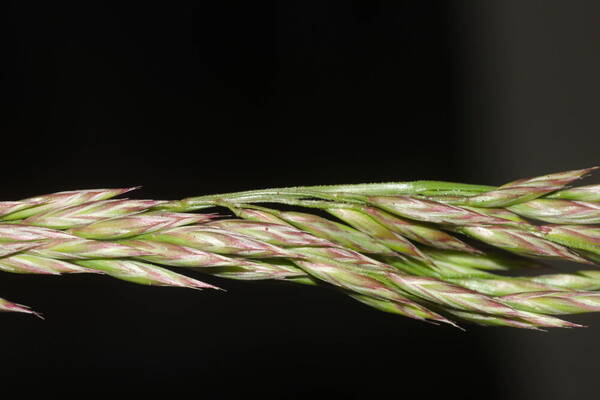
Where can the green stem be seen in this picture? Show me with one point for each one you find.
(340, 193)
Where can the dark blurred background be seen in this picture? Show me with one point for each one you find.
(204, 97)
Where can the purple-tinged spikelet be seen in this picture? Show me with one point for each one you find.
(489, 261)
(457, 297)
(9, 248)
(9, 207)
(410, 310)
(419, 232)
(138, 224)
(434, 212)
(23, 233)
(335, 232)
(582, 193)
(87, 213)
(217, 240)
(582, 237)
(276, 234)
(497, 320)
(373, 228)
(258, 215)
(181, 256)
(555, 302)
(144, 273)
(521, 242)
(82, 249)
(66, 199)
(503, 213)
(250, 271)
(579, 280)
(362, 284)
(560, 211)
(524, 190)
(343, 255)
(501, 286)
(32, 264)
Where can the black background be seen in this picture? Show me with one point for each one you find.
(206, 97)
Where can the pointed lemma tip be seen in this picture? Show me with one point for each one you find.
(587, 171)
(37, 314)
(454, 324)
(27, 310)
(202, 286)
(573, 325)
(215, 288)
